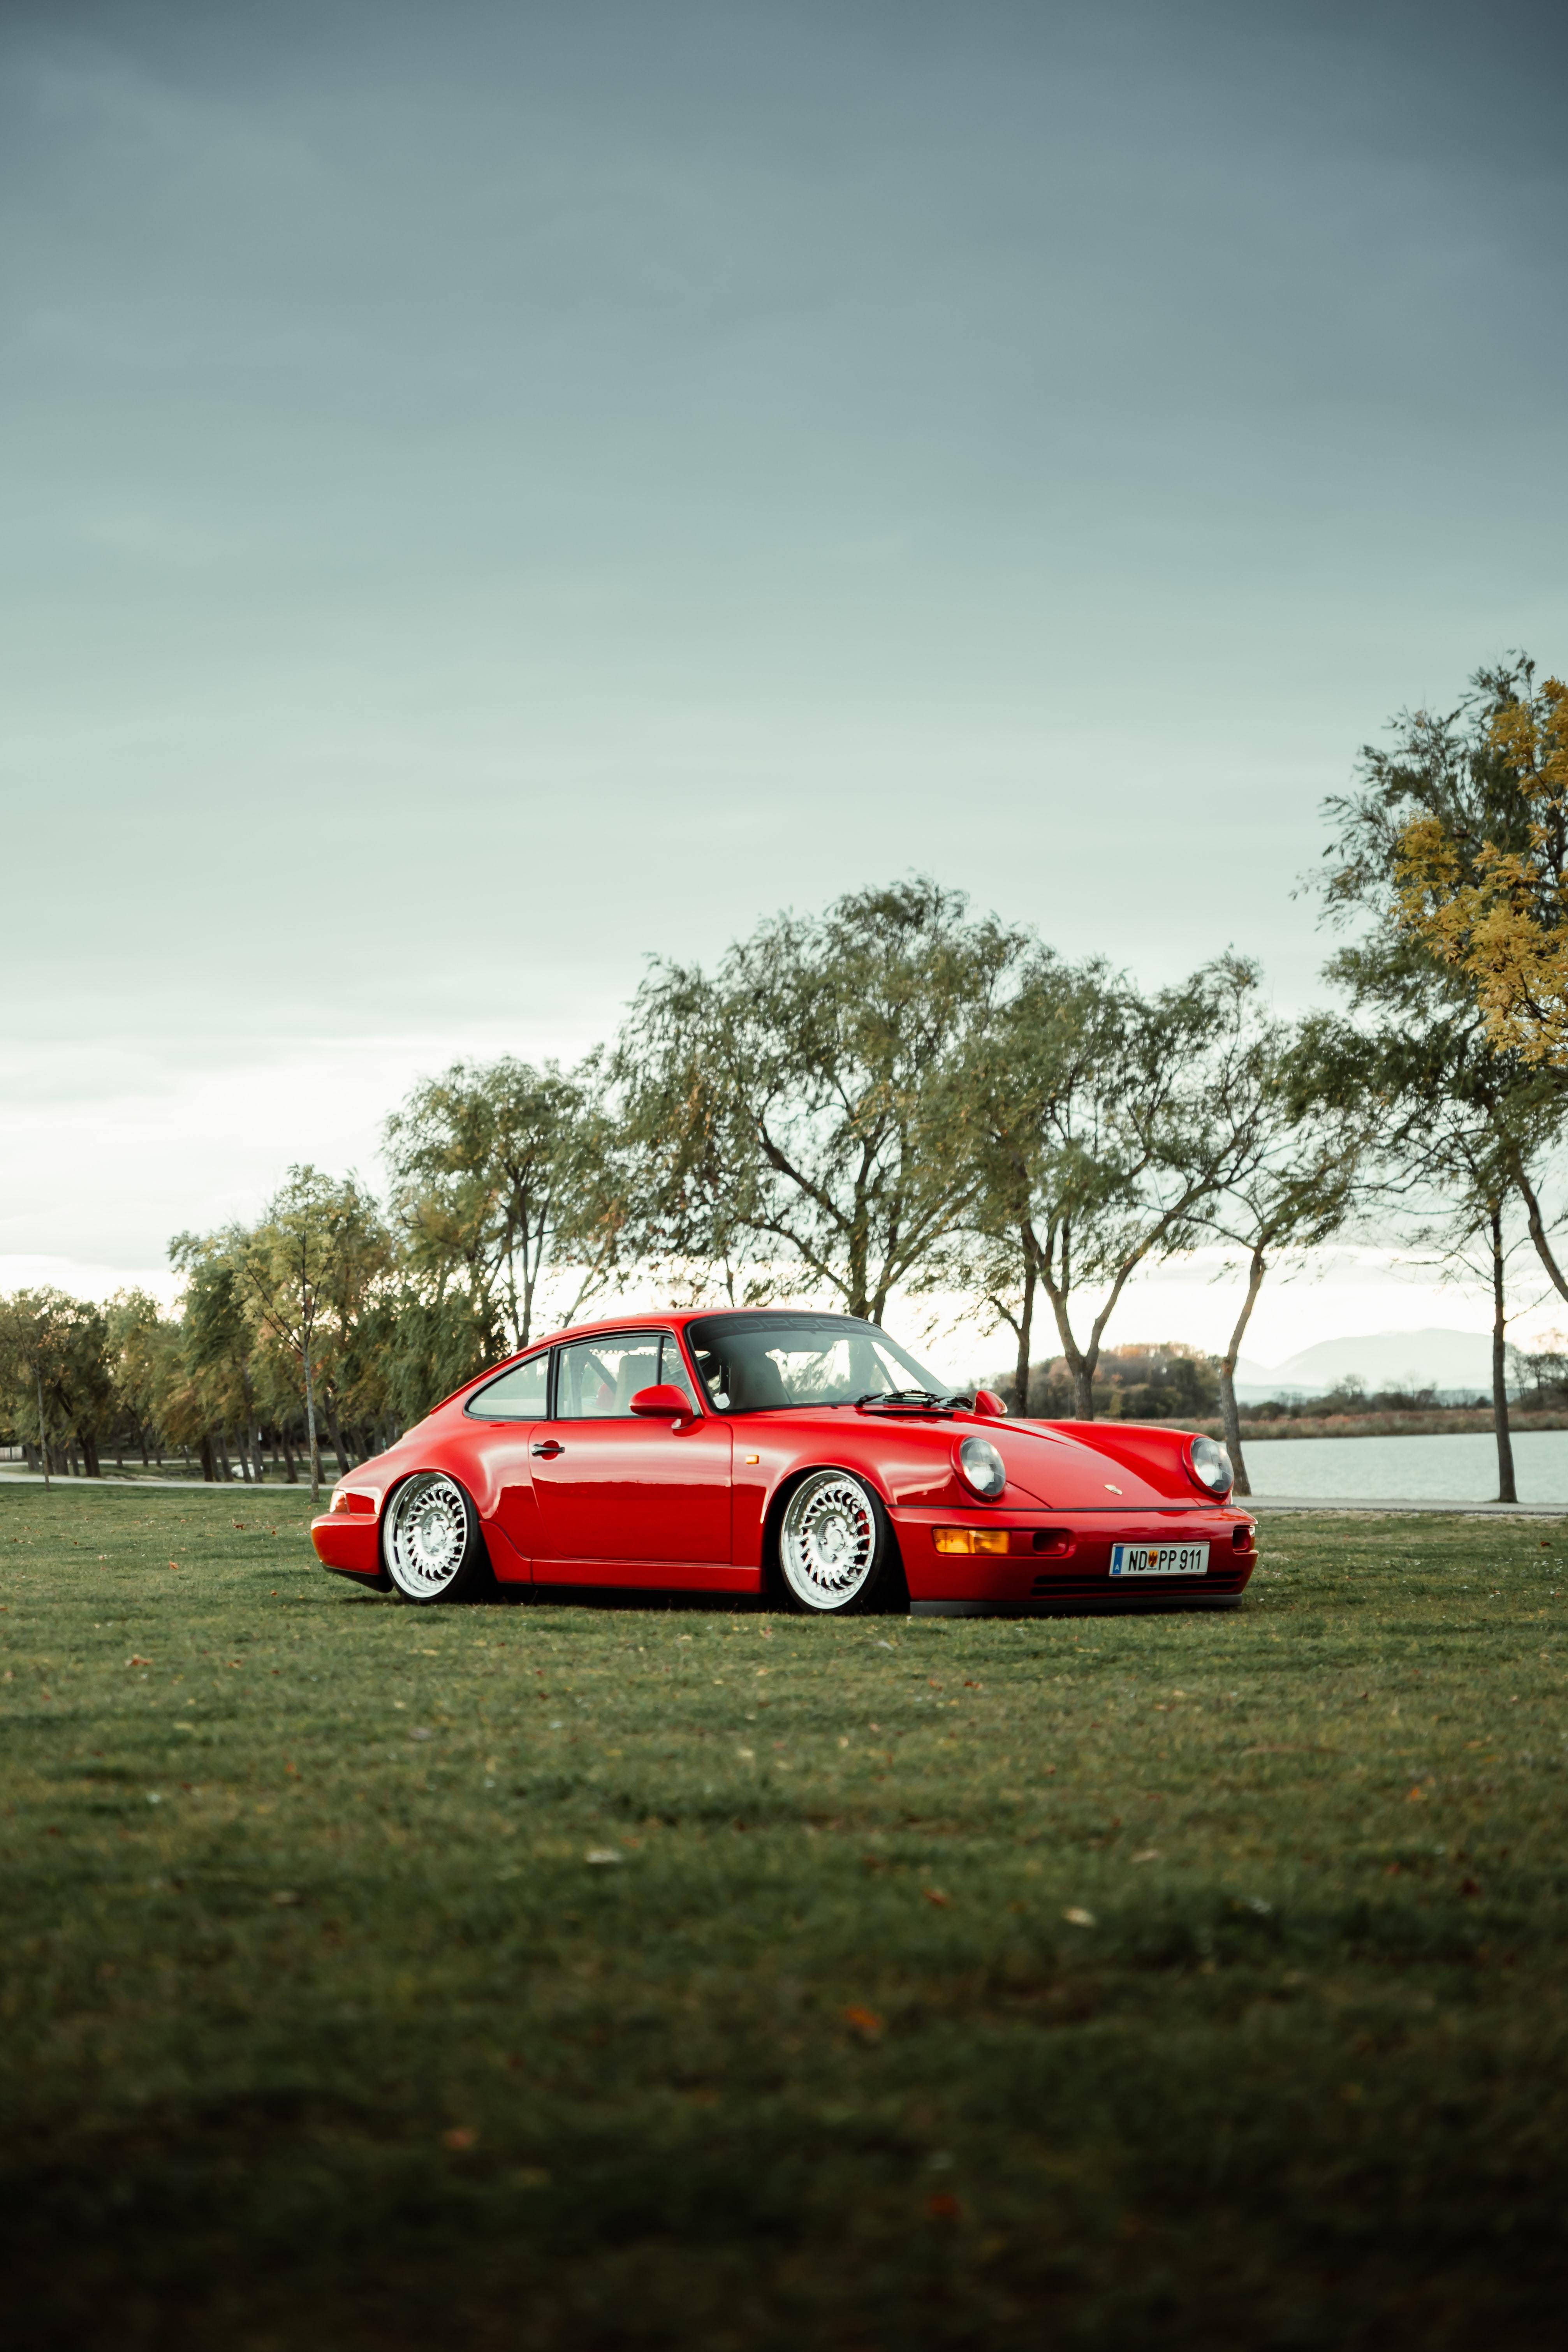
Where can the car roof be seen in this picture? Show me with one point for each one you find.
(664, 1318)
(680, 1317)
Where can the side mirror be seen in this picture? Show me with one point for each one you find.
(988, 1403)
(665, 1403)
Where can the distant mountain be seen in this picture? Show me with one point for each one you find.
(1381, 1359)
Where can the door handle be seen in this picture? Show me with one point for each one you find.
(547, 1451)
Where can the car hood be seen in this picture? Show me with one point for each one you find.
(1095, 1466)
(1050, 1466)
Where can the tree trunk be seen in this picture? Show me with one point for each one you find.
(1256, 1271)
(291, 1469)
(223, 1457)
(209, 1459)
(334, 1431)
(1538, 1233)
(1026, 1327)
(1080, 1367)
(1506, 1492)
(310, 1429)
(89, 1461)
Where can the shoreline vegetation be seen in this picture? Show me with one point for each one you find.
(1452, 1421)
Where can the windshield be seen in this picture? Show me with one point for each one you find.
(761, 1363)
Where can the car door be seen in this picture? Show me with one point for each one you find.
(501, 1419)
(621, 1500)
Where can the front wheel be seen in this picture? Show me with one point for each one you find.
(431, 1543)
(835, 1552)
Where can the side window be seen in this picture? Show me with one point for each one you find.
(597, 1379)
(521, 1394)
(673, 1371)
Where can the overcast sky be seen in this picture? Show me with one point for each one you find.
(492, 493)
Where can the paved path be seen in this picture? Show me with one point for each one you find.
(150, 1485)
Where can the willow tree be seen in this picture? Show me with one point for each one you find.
(308, 1273)
(801, 1115)
(499, 1192)
(55, 1365)
(1108, 1123)
(1291, 1193)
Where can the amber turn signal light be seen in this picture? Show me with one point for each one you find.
(991, 1539)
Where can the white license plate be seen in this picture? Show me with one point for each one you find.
(1159, 1560)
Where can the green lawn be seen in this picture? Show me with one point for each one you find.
(1183, 1980)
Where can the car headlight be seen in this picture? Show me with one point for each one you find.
(982, 1467)
(1210, 1465)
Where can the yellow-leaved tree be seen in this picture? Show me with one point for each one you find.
(1481, 871)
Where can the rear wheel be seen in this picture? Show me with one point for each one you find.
(431, 1543)
(835, 1551)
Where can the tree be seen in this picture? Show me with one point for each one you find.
(804, 1111)
(1464, 1124)
(1109, 1122)
(143, 1345)
(1031, 1072)
(1479, 805)
(221, 1338)
(29, 1357)
(497, 1176)
(306, 1272)
(55, 1354)
(1292, 1193)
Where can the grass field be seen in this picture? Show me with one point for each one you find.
(1178, 1981)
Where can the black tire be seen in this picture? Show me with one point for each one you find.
(432, 1546)
(833, 1553)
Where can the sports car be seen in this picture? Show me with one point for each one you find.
(801, 1457)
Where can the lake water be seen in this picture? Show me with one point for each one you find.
(1457, 1469)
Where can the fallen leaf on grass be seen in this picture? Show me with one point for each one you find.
(603, 1853)
(865, 2022)
(1077, 1917)
(1150, 1854)
(943, 2206)
(460, 2137)
(286, 1897)
(934, 1895)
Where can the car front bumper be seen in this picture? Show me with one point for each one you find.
(1061, 1560)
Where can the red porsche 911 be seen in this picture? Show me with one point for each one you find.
(803, 1456)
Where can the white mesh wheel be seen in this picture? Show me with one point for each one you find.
(428, 1537)
(829, 1541)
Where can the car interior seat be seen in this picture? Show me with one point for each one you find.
(756, 1383)
(635, 1372)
